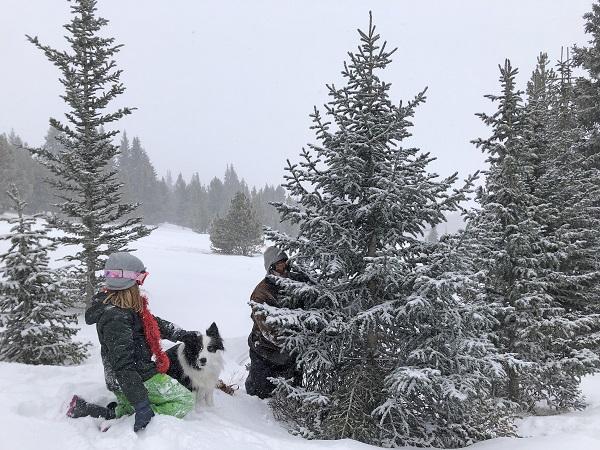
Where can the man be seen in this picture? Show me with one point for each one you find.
(267, 358)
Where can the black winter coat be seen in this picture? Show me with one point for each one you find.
(126, 356)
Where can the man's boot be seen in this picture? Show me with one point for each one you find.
(80, 408)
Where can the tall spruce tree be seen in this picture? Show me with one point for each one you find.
(520, 257)
(588, 87)
(37, 327)
(388, 355)
(92, 214)
(581, 124)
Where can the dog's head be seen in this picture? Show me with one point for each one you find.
(215, 341)
(203, 347)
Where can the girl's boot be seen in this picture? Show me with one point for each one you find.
(78, 407)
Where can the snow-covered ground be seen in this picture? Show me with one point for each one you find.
(192, 287)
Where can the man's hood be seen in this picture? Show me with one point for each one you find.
(272, 255)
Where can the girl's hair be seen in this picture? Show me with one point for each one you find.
(127, 298)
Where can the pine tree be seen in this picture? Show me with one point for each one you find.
(239, 232)
(44, 195)
(565, 182)
(92, 213)
(180, 202)
(7, 171)
(232, 184)
(389, 355)
(34, 307)
(138, 177)
(444, 392)
(588, 87)
(165, 197)
(217, 204)
(169, 179)
(123, 161)
(197, 199)
(520, 258)
(265, 201)
(221, 240)
(580, 132)
(16, 167)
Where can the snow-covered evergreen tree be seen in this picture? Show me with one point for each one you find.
(390, 353)
(37, 326)
(92, 214)
(239, 232)
(443, 394)
(520, 259)
(588, 87)
(566, 185)
(581, 125)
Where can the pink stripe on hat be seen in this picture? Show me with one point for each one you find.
(118, 273)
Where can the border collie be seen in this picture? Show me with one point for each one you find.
(198, 364)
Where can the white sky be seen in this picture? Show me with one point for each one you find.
(234, 81)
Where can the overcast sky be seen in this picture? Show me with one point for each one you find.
(218, 82)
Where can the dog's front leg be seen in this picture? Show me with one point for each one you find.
(199, 400)
(210, 401)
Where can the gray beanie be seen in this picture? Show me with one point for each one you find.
(272, 255)
(126, 262)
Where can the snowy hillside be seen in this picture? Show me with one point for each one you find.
(192, 287)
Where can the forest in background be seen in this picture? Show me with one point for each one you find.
(190, 203)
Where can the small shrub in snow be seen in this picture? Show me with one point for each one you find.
(239, 232)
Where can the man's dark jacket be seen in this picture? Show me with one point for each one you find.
(126, 357)
(263, 338)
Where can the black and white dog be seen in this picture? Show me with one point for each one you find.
(197, 364)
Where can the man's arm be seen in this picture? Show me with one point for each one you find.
(262, 295)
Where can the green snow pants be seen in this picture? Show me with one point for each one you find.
(167, 396)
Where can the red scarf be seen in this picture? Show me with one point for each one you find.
(152, 335)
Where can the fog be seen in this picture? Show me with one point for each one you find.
(234, 81)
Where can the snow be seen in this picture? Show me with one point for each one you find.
(192, 287)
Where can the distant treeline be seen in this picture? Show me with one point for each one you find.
(162, 199)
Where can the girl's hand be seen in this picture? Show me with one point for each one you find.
(143, 415)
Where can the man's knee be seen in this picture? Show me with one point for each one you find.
(260, 391)
(257, 383)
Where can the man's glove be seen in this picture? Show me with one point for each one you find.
(143, 415)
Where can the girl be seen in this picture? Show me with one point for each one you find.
(129, 336)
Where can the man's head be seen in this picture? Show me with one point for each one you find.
(275, 261)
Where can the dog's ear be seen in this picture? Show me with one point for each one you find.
(212, 331)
